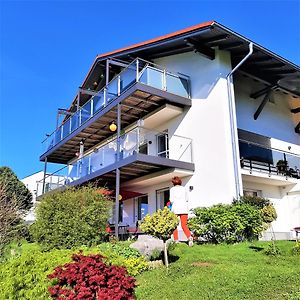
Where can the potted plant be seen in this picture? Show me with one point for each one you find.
(282, 166)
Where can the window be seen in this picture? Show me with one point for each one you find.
(121, 207)
(163, 145)
(162, 197)
(142, 207)
(252, 193)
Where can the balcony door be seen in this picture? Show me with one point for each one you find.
(162, 198)
(162, 142)
(142, 207)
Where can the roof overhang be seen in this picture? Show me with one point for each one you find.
(205, 37)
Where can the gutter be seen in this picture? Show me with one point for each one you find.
(233, 126)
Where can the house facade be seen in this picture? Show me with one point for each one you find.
(34, 183)
(203, 103)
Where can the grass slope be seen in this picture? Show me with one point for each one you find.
(224, 272)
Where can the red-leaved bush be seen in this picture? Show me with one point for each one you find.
(88, 277)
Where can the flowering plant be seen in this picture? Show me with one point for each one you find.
(88, 277)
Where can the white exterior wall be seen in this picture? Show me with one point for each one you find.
(275, 121)
(207, 123)
(286, 201)
(31, 182)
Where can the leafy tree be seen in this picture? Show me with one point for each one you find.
(15, 189)
(74, 217)
(161, 225)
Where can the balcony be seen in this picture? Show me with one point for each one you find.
(140, 88)
(268, 165)
(142, 152)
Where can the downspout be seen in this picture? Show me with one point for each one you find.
(233, 125)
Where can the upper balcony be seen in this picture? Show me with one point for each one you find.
(142, 152)
(262, 162)
(141, 88)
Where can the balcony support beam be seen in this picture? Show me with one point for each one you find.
(118, 171)
(44, 178)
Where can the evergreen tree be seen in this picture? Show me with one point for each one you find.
(15, 189)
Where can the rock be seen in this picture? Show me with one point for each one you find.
(148, 245)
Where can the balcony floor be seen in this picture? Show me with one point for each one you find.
(134, 167)
(137, 102)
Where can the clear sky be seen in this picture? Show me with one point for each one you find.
(47, 47)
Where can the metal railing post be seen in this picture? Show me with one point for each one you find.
(104, 96)
(164, 80)
(119, 85)
(137, 70)
(92, 106)
(44, 178)
(61, 132)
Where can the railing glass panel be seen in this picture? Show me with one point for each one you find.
(98, 102)
(86, 112)
(177, 85)
(138, 140)
(138, 71)
(153, 77)
(255, 157)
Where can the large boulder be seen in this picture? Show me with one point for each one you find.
(148, 245)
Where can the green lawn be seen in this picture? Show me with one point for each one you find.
(224, 272)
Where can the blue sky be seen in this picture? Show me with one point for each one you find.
(47, 48)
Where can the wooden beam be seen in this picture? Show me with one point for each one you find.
(201, 49)
(213, 41)
(230, 46)
(295, 110)
(262, 105)
(263, 91)
(145, 100)
(297, 128)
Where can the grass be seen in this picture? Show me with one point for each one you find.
(241, 271)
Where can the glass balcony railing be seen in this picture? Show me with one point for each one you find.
(138, 140)
(138, 71)
(254, 157)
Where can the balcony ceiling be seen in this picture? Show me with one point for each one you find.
(137, 102)
(135, 167)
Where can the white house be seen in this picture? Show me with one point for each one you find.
(34, 184)
(203, 103)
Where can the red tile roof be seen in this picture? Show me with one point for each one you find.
(158, 39)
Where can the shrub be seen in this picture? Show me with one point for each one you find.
(161, 224)
(296, 248)
(88, 277)
(264, 205)
(71, 218)
(25, 275)
(122, 255)
(272, 250)
(226, 223)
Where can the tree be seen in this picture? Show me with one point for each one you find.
(15, 189)
(10, 216)
(161, 225)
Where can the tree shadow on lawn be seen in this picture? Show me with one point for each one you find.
(256, 248)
